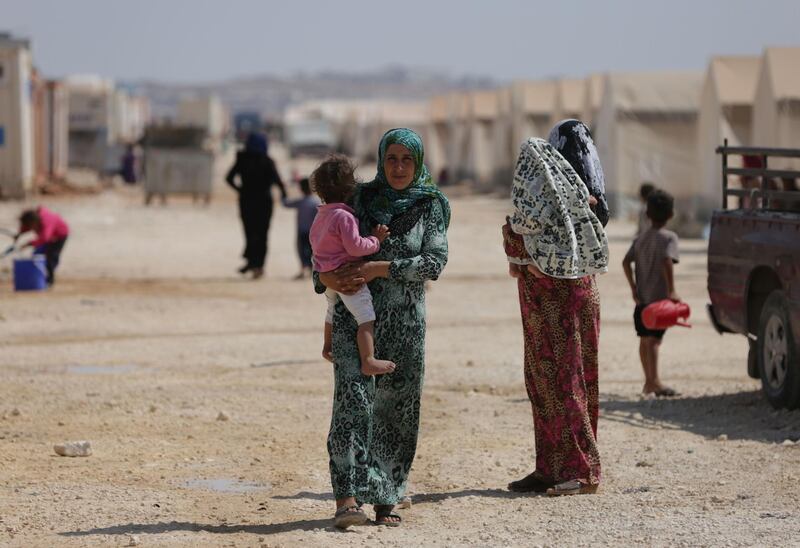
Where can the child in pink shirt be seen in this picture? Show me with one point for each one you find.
(51, 235)
(335, 240)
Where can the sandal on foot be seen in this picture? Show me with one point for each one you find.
(534, 482)
(572, 487)
(348, 515)
(383, 512)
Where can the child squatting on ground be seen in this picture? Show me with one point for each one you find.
(335, 240)
(51, 235)
(654, 251)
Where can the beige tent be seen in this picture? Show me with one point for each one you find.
(438, 145)
(776, 110)
(483, 115)
(646, 130)
(569, 100)
(726, 112)
(504, 148)
(448, 140)
(592, 96)
(532, 110)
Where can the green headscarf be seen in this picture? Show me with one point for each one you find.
(385, 202)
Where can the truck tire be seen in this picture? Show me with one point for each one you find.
(777, 355)
(752, 359)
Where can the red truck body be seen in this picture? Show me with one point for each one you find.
(754, 271)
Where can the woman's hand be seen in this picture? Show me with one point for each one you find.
(375, 269)
(346, 279)
(534, 270)
(514, 270)
(592, 201)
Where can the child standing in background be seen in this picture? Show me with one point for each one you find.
(51, 235)
(306, 211)
(654, 252)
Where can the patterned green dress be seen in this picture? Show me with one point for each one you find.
(375, 421)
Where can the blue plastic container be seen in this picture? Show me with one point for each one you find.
(30, 274)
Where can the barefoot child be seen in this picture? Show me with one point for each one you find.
(654, 251)
(335, 240)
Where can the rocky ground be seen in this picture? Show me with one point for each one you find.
(207, 404)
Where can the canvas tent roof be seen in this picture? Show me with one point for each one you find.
(662, 92)
(571, 95)
(592, 97)
(734, 78)
(535, 97)
(784, 66)
(484, 104)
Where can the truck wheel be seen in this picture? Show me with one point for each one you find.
(777, 357)
(752, 359)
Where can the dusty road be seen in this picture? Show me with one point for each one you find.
(149, 335)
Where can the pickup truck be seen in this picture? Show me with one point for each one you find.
(754, 268)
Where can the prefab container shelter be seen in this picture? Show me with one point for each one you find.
(50, 109)
(91, 126)
(726, 112)
(16, 138)
(776, 110)
(646, 130)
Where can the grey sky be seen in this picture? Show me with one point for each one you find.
(203, 40)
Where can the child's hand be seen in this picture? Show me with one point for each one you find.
(381, 232)
(514, 270)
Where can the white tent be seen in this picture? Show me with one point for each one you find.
(592, 96)
(726, 112)
(776, 110)
(569, 99)
(646, 130)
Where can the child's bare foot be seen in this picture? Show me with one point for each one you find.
(327, 354)
(371, 366)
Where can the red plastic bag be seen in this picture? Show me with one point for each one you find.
(664, 314)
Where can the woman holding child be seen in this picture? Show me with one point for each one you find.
(375, 420)
(555, 243)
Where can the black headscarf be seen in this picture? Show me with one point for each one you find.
(574, 141)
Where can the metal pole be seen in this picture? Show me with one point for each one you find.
(725, 174)
(764, 198)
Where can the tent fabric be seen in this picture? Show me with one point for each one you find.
(726, 112)
(479, 162)
(776, 110)
(591, 99)
(569, 99)
(646, 130)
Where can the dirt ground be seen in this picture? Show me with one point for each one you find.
(150, 334)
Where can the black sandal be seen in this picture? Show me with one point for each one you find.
(383, 512)
(348, 515)
(534, 482)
